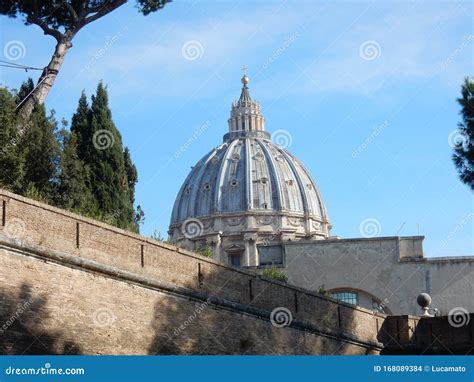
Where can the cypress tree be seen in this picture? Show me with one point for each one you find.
(111, 173)
(80, 124)
(74, 192)
(131, 172)
(132, 178)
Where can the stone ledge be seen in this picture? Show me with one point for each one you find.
(347, 240)
(447, 259)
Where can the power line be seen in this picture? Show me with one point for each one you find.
(8, 64)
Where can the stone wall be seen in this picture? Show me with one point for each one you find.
(428, 335)
(73, 268)
(50, 306)
(393, 270)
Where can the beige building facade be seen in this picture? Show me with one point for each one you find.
(383, 274)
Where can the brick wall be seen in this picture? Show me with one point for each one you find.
(37, 224)
(71, 311)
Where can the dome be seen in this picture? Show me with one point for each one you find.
(248, 174)
(247, 190)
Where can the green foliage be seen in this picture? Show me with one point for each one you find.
(156, 235)
(33, 192)
(139, 217)
(55, 15)
(86, 170)
(29, 152)
(74, 193)
(109, 172)
(11, 161)
(206, 251)
(275, 273)
(41, 153)
(148, 6)
(25, 89)
(80, 125)
(132, 174)
(323, 291)
(463, 155)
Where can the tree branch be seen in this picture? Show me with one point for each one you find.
(105, 9)
(71, 11)
(33, 19)
(84, 10)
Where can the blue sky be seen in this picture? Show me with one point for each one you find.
(365, 90)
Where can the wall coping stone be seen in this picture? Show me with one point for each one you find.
(330, 240)
(444, 259)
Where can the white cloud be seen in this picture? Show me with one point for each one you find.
(415, 40)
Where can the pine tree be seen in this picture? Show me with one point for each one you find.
(463, 156)
(11, 163)
(62, 20)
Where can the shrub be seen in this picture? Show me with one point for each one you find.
(275, 273)
(206, 251)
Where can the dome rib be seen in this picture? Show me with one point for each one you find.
(217, 195)
(197, 204)
(274, 174)
(248, 177)
(290, 160)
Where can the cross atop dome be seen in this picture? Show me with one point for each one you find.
(245, 80)
(245, 95)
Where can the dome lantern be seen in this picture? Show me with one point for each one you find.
(246, 118)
